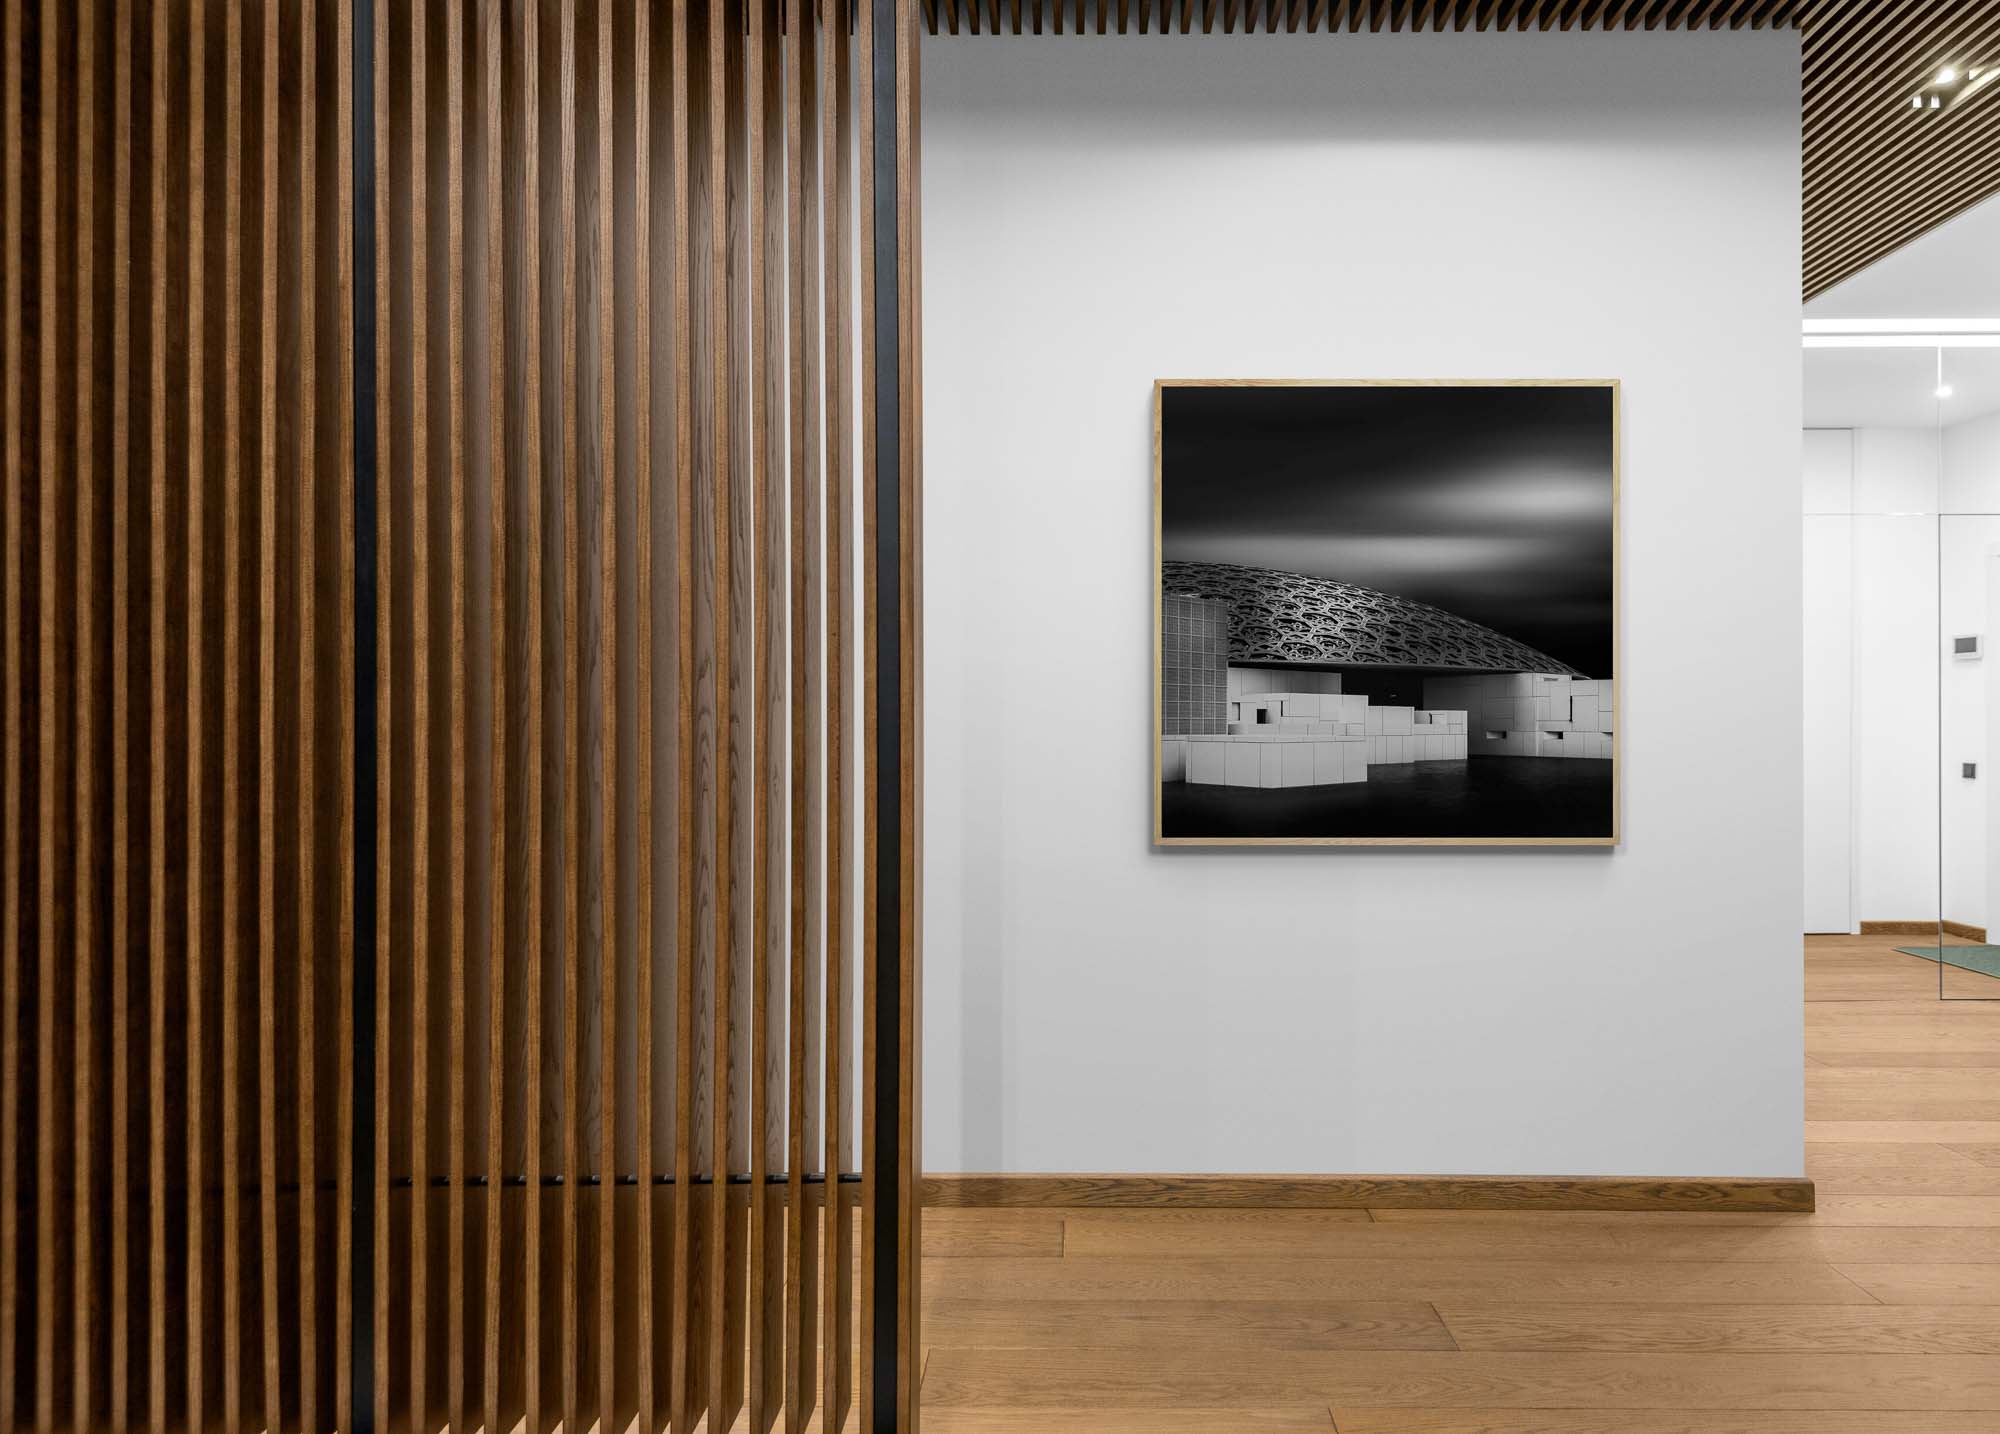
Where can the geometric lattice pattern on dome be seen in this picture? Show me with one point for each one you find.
(1289, 617)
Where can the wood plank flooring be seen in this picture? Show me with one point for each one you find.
(1879, 1313)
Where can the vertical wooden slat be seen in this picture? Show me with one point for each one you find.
(768, 965)
(607, 658)
(725, 1335)
(48, 715)
(345, 1413)
(458, 823)
(532, 737)
(532, 924)
(686, 1364)
(496, 478)
(233, 1354)
(264, 1094)
(420, 719)
(307, 545)
(721, 1337)
(868, 61)
(344, 1257)
(83, 676)
(385, 610)
(197, 638)
(121, 717)
(801, 1270)
(572, 683)
(12, 913)
(642, 463)
(837, 136)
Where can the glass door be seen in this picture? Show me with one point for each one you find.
(1967, 388)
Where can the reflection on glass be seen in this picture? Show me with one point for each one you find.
(1967, 395)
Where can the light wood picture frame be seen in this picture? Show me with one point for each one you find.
(1535, 464)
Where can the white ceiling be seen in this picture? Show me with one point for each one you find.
(1870, 388)
(1953, 272)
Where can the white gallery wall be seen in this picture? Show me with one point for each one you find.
(1099, 215)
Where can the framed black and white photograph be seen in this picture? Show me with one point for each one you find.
(1386, 612)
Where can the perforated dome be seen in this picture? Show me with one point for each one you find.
(1291, 618)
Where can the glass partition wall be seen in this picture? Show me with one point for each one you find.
(1902, 695)
(1968, 679)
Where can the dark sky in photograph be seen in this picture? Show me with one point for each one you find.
(1493, 503)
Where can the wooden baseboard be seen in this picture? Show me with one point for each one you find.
(1959, 929)
(1386, 1192)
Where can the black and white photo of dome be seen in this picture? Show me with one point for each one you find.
(1290, 618)
(1387, 613)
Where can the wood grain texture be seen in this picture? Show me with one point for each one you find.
(415, 955)
(234, 442)
(836, 122)
(1478, 1379)
(768, 215)
(645, 1334)
(345, 1255)
(148, 964)
(1469, 1192)
(571, 498)
(84, 678)
(492, 39)
(1645, 1421)
(388, 605)
(457, 739)
(13, 916)
(305, 1032)
(623, 151)
(49, 717)
(266, 836)
(686, 1365)
(807, 710)
(195, 734)
(736, 666)
(178, 808)
(533, 736)
(122, 484)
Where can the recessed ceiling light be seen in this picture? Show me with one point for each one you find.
(1947, 76)
(1943, 390)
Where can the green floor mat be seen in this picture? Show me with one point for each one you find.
(1983, 959)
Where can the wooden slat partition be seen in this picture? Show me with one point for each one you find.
(178, 614)
(621, 844)
(563, 1031)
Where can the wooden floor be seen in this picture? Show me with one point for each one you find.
(1880, 1314)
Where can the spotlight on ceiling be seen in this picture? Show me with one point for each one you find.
(1951, 86)
(1943, 390)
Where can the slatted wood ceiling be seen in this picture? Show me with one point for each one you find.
(178, 673)
(1876, 172)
